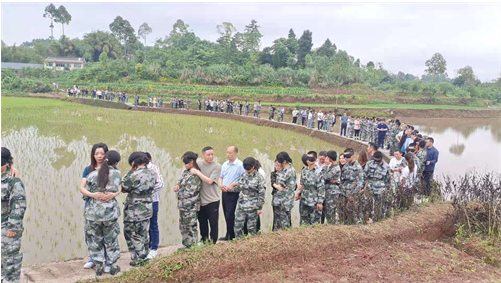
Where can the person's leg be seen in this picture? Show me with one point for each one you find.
(240, 219)
(95, 238)
(428, 176)
(275, 218)
(224, 197)
(213, 215)
(111, 230)
(153, 231)
(203, 223)
(252, 219)
(12, 257)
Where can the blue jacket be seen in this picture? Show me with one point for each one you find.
(432, 156)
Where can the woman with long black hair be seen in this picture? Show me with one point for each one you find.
(101, 217)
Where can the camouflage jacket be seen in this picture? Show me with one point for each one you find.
(352, 178)
(332, 173)
(97, 210)
(378, 176)
(363, 125)
(421, 156)
(351, 123)
(287, 179)
(314, 186)
(188, 196)
(252, 188)
(273, 180)
(13, 203)
(139, 186)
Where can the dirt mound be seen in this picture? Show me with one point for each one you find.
(400, 249)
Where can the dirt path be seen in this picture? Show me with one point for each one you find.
(405, 248)
(73, 271)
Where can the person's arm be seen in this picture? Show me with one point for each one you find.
(86, 192)
(159, 182)
(14, 172)
(434, 157)
(321, 192)
(127, 182)
(262, 195)
(17, 205)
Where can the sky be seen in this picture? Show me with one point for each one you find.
(402, 36)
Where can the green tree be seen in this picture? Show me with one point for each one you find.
(62, 16)
(51, 13)
(124, 32)
(466, 76)
(327, 49)
(292, 43)
(99, 42)
(143, 31)
(436, 65)
(305, 43)
(370, 65)
(252, 37)
(226, 31)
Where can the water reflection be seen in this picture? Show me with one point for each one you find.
(464, 144)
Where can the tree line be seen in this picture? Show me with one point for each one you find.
(236, 58)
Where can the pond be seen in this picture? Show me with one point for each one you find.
(51, 143)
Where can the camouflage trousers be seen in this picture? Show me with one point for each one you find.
(363, 135)
(351, 132)
(188, 227)
(365, 204)
(330, 207)
(136, 236)
(382, 205)
(12, 257)
(404, 197)
(310, 215)
(281, 218)
(348, 210)
(99, 232)
(241, 217)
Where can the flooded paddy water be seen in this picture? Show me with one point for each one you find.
(51, 143)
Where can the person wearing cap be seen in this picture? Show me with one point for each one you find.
(332, 174)
(252, 189)
(188, 200)
(102, 212)
(13, 209)
(378, 179)
(284, 186)
(352, 182)
(312, 191)
(138, 184)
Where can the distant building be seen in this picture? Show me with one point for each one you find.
(60, 63)
(18, 66)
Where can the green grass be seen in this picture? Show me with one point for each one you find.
(16, 102)
(402, 106)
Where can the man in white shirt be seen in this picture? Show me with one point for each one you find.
(397, 163)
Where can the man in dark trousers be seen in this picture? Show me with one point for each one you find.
(231, 170)
(431, 160)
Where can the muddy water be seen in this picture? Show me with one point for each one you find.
(51, 146)
(464, 144)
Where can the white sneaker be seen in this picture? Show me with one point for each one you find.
(89, 265)
(107, 269)
(152, 254)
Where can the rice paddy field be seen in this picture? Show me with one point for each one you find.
(51, 142)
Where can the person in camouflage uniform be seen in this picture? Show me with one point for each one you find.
(13, 208)
(283, 197)
(351, 127)
(188, 200)
(378, 178)
(332, 174)
(330, 121)
(363, 129)
(312, 190)
(421, 156)
(102, 212)
(352, 183)
(252, 189)
(139, 184)
(373, 130)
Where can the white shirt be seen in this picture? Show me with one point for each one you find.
(394, 163)
(410, 177)
(159, 182)
(320, 115)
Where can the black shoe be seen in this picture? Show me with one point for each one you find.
(99, 269)
(143, 263)
(114, 270)
(223, 239)
(132, 263)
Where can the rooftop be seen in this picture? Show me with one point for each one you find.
(68, 59)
